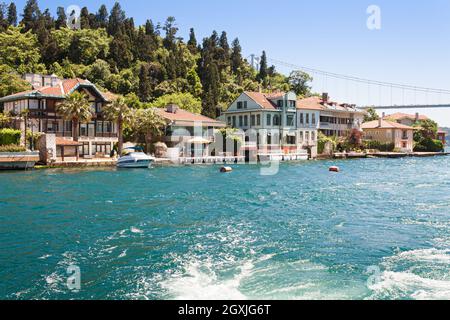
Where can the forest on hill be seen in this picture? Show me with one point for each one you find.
(150, 64)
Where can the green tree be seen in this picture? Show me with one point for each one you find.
(192, 42)
(31, 13)
(371, 115)
(262, 75)
(116, 19)
(185, 101)
(76, 108)
(298, 82)
(102, 17)
(119, 112)
(149, 124)
(12, 14)
(11, 82)
(61, 20)
(20, 51)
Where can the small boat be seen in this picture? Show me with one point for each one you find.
(136, 158)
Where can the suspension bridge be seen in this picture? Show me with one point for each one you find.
(366, 93)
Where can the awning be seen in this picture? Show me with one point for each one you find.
(199, 140)
(67, 143)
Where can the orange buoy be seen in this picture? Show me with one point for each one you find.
(226, 169)
(334, 169)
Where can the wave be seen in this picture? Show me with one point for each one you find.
(417, 274)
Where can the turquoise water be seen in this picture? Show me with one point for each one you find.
(193, 233)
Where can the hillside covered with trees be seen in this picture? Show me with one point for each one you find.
(150, 64)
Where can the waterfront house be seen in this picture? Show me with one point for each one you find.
(308, 123)
(96, 138)
(404, 118)
(188, 134)
(270, 123)
(338, 119)
(410, 120)
(385, 131)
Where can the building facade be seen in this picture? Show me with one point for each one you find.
(270, 122)
(190, 134)
(385, 131)
(95, 138)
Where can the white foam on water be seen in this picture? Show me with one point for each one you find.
(200, 282)
(425, 278)
(136, 230)
(123, 254)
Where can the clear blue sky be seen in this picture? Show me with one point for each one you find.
(412, 46)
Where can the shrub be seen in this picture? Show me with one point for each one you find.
(9, 137)
(12, 148)
(377, 145)
(429, 145)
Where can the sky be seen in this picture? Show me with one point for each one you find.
(411, 47)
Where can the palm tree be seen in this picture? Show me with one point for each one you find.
(149, 123)
(75, 108)
(118, 111)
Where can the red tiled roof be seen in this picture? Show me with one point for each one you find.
(263, 99)
(385, 124)
(185, 116)
(312, 103)
(401, 116)
(59, 91)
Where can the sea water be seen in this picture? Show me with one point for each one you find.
(379, 229)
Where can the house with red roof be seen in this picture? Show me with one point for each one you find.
(95, 138)
(270, 122)
(193, 135)
(404, 118)
(385, 131)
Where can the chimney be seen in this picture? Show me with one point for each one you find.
(325, 97)
(380, 122)
(172, 108)
(417, 116)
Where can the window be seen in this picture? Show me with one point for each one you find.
(290, 121)
(229, 121)
(280, 104)
(234, 121)
(301, 136)
(313, 136)
(306, 136)
(301, 118)
(307, 118)
(258, 120)
(292, 104)
(253, 120)
(239, 105)
(245, 104)
(313, 120)
(269, 118)
(240, 121)
(245, 121)
(276, 120)
(405, 135)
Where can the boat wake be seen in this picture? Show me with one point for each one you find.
(417, 274)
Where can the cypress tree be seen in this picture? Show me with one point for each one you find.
(31, 13)
(192, 43)
(102, 17)
(116, 19)
(145, 86)
(262, 76)
(61, 20)
(236, 56)
(171, 31)
(12, 14)
(84, 18)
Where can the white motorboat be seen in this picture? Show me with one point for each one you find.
(136, 158)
